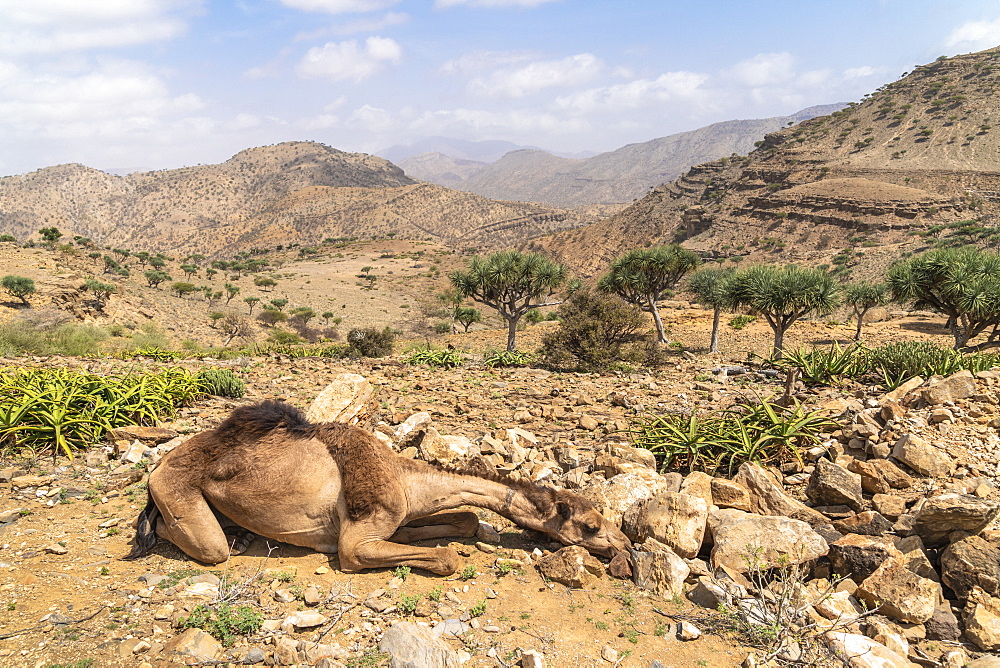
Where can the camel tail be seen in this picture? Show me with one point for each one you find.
(145, 531)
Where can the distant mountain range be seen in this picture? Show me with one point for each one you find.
(505, 171)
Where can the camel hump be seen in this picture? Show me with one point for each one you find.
(366, 468)
(252, 422)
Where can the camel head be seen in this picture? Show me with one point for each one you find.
(575, 521)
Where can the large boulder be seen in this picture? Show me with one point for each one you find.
(410, 645)
(746, 541)
(659, 570)
(880, 476)
(951, 389)
(899, 592)
(857, 556)
(572, 566)
(728, 494)
(858, 651)
(940, 515)
(833, 485)
(677, 520)
(969, 563)
(921, 456)
(982, 621)
(768, 498)
(615, 497)
(348, 398)
(193, 644)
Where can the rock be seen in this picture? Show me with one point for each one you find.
(744, 538)
(688, 631)
(987, 661)
(921, 456)
(588, 423)
(868, 523)
(531, 658)
(971, 562)
(899, 593)
(940, 515)
(193, 643)
(857, 556)
(831, 485)
(609, 654)
(55, 548)
(698, 483)
(614, 497)
(915, 557)
(303, 619)
(890, 507)
(903, 390)
(839, 607)
(728, 494)
(154, 435)
(858, 651)
(434, 447)
(951, 389)
(659, 570)
(312, 596)
(768, 498)
(413, 646)
(943, 625)
(487, 534)
(982, 622)
(22, 481)
(882, 631)
(348, 398)
(572, 566)
(411, 430)
(675, 519)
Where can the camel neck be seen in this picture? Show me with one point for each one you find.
(440, 490)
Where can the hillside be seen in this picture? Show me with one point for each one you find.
(895, 173)
(295, 192)
(616, 176)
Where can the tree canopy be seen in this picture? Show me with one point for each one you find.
(511, 282)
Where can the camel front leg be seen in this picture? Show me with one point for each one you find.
(363, 545)
(438, 525)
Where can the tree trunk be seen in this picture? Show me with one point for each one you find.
(651, 303)
(861, 315)
(511, 333)
(717, 316)
(779, 341)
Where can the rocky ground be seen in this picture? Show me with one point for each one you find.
(899, 502)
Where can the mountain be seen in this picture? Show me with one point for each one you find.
(622, 175)
(479, 151)
(295, 192)
(896, 173)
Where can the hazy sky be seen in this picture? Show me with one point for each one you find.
(151, 84)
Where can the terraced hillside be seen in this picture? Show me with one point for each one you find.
(916, 163)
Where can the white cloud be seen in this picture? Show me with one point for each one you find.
(337, 61)
(339, 6)
(975, 35)
(669, 87)
(444, 4)
(570, 71)
(357, 26)
(764, 69)
(34, 27)
(118, 92)
(860, 72)
(481, 61)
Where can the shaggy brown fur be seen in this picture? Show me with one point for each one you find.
(335, 487)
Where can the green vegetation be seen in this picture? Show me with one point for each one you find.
(644, 276)
(595, 331)
(221, 382)
(224, 622)
(506, 358)
(712, 287)
(511, 282)
(864, 296)
(371, 342)
(764, 433)
(69, 410)
(447, 359)
(18, 286)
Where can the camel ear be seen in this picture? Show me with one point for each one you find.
(563, 509)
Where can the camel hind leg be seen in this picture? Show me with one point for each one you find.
(438, 525)
(366, 544)
(189, 522)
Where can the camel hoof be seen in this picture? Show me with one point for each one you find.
(449, 560)
(239, 540)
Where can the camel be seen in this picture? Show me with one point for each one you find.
(335, 488)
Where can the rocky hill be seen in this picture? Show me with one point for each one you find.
(617, 176)
(295, 192)
(855, 189)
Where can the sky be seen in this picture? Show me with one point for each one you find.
(130, 85)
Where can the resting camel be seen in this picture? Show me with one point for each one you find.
(333, 487)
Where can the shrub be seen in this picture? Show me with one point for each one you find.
(436, 358)
(741, 321)
(827, 365)
(899, 361)
(370, 342)
(282, 337)
(221, 382)
(224, 622)
(594, 331)
(719, 443)
(48, 332)
(18, 286)
(505, 358)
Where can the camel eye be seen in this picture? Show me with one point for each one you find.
(591, 529)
